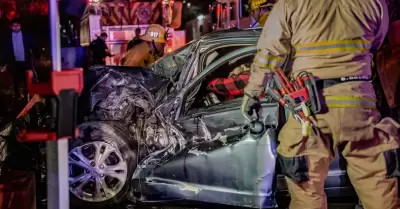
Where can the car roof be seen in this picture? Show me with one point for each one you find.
(251, 35)
(232, 32)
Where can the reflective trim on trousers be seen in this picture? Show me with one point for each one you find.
(349, 101)
(334, 46)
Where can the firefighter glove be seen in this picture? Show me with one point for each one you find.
(251, 106)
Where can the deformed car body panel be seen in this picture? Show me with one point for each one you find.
(243, 177)
(225, 118)
(237, 172)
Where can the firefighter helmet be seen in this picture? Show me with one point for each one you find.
(265, 5)
(257, 4)
(155, 33)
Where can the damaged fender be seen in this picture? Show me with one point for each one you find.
(240, 173)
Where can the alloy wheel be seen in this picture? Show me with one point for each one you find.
(98, 172)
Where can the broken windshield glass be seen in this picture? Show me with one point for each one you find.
(172, 63)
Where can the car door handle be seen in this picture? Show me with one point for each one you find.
(197, 115)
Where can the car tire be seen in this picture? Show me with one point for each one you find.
(111, 152)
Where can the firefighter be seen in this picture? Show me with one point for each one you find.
(333, 40)
(260, 9)
(147, 52)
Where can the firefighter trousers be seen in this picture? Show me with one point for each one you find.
(369, 145)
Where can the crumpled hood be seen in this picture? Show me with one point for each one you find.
(114, 88)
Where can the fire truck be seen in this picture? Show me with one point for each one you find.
(223, 14)
(119, 19)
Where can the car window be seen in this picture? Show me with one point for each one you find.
(172, 63)
(229, 77)
(213, 55)
(208, 57)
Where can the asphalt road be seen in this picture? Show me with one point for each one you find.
(331, 206)
(335, 205)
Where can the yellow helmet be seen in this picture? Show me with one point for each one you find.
(257, 4)
(155, 33)
(261, 18)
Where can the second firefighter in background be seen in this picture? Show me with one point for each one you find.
(147, 52)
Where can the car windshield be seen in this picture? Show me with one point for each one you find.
(171, 64)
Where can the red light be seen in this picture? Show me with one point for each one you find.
(219, 11)
(170, 40)
(12, 14)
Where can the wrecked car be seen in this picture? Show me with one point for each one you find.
(153, 135)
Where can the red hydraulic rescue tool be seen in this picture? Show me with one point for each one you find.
(299, 96)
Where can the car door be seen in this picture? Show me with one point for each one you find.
(223, 119)
(230, 166)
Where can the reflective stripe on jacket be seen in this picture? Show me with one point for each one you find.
(329, 38)
(348, 101)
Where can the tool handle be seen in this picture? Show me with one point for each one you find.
(299, 82)
(311, 85)
(275, 95)
(285, 81)
(278, 83)
(303, 116)
(281, 84)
